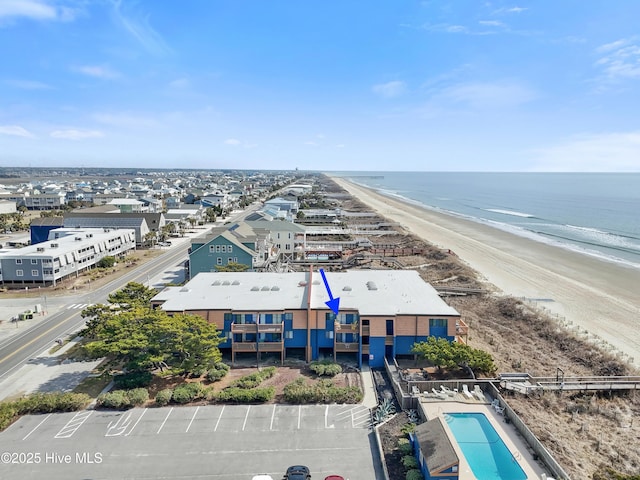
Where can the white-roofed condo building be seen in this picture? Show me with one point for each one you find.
(67, 252)
(382, 312)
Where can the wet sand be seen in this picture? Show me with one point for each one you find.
(595, 295)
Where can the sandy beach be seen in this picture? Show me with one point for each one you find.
(600, 297)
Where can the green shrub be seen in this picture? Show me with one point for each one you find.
(187, 392)
(51, 402)
(409, 462)
(247, 395)
(121, 399)
(163, 397)
(106, 262)
(217, 371)
(138, 396)
(414, 475)
(326, 368)
(323, 391)
(130, 380)
(8, 412)
(116, 399)
(405, 446)
(254, 379)
(408, 428)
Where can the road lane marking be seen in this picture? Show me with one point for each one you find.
(219, 418)
(36, 427)
(135, 424)
(192, 419)
(273, 414)
(245, 417)
(165, 420)
(74, 424)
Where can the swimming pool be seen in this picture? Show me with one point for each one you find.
(484, 450)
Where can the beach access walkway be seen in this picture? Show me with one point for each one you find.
(526, 384)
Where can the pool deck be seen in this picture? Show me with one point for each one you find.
(514, 442)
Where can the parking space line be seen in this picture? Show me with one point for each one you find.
(219, 418)
(245, 418)
(299, 415)
(135, 424)
(273, 414)
(192, 419)
(165, 420)
(36, 427)
(326, 416)
(74, 424)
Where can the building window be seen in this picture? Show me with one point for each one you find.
(217, 248)
(288, 334)
(34, 261)
(223, 248)
(19, 273)
(230, 248)
(437, 322)
(212, 248)
(229, 260)
(219, 261)
(18, 261)
(35, 273)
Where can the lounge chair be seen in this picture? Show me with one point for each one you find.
(466, 391)
(448, 391)
(438, 394)
(415, 390)
(479, 393)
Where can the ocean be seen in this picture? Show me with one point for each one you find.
(596, 214)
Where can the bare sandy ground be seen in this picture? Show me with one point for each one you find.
(600, 297)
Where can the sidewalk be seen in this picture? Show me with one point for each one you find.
(46, 373)
(370, 399)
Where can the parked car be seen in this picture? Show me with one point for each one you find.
(297, 472)
(334, 477)
(262, 477)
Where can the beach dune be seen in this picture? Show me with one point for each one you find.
(595, 295)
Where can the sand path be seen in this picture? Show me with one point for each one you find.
(598, 296)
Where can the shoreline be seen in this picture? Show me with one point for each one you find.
(593, 294)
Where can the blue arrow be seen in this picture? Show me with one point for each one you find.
(333, 303)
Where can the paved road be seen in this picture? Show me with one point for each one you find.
(18, 349)
(231, 442)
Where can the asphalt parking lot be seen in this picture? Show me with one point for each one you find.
(230, 442)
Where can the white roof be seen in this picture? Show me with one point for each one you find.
(370, 292)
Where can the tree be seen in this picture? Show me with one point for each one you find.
(232, 267)
(210, 215)
(444, 354)
(131, 295)
(106, 262)
(131, 332)
(150, 237)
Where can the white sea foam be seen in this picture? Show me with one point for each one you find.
(513, 213)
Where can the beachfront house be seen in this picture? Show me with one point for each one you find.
(381, 313)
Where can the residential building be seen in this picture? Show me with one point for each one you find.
(108, 217)
(40, 228)
(67, 252)
(288, 238)
(7, 206)
(382, 313)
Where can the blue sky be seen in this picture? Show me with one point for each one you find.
(321, 85)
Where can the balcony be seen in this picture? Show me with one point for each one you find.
(253, 347)
(365, 349)
(461, 328)
(365, 330)
(345, 328)
(388, 340)
(346, 347)
(255, 328)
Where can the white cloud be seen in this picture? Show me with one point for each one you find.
(180, 83)
(233, 142)
(125, 120)
(33, 9)
(487, 95)
(73, 134)
(390, 89)
(620, 60)
(36, 10)
(491, 23)
(15, 131)
(618, 151)
(97, 71)
(138, 26)
(28, 84)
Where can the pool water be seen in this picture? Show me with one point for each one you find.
(485, 452)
